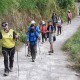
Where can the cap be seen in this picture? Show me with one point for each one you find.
(43, 22)
(33, 22)
(4, 24)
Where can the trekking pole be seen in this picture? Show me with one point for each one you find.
(18, 63)
(39, 48)
(25, 49)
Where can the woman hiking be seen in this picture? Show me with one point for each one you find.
(59, 25)
(69, 17)
(8, 37)
(43, 29)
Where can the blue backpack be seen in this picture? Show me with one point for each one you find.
(33, 37)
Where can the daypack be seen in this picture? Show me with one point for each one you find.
(48, 30)
(70, 15)
(43, 28)
(33, 36)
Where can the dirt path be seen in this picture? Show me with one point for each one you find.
(46, 67)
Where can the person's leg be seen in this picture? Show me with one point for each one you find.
(45, 37)
(31, 47)
(51, 44)
(68, 20)
(52, 48)
(54, 26)
(11, 57)
(29, 51)
(5, 54)
(60, 30)
(42, 38)
(34, 51)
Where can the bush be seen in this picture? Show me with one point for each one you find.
(27, 4)
(73, 46)
(65, 3)
(7, 5)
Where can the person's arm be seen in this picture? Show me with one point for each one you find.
(38, 29)
(37, 35)
(15, 36)
(0, 35)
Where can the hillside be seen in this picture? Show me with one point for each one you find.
(20, 12)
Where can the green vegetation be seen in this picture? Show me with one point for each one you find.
(19, 13)
(35, 8)
(72, 45)
(78, 0)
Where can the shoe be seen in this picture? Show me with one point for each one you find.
(52, 51)
(6, 73)
(33, 60)
(49, 51)
(28, 55)
(11, 69)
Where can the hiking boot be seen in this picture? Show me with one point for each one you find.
(49, 51)
(52, 51)
(33, 60)
(28, 55)
(6, 73)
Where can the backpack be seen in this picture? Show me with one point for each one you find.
(32, 36)
(69, 15)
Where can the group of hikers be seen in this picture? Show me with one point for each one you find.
(9, 36)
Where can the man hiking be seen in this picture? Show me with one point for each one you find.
(54, 20)
(50, 30)
(8, 37)
(29, 28)
(32, 37)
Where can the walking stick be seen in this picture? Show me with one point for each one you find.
(25, 50)
(17, 59)
(18, 63)
(39, 48)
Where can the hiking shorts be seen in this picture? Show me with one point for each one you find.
(51, 39)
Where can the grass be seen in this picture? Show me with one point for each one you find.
(72, 45)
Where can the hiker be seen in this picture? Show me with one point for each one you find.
(37, 29)
(8, 37)
(69, 16)
(50, 30)
(32, 37)
(54, 19)
(59, 25)
(43, 29)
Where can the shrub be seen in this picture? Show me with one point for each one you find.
(73, 46)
